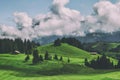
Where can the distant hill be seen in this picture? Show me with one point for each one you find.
(100, 37)
(103, 46)
(108, 48)
(64, 50)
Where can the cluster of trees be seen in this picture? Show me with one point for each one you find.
(101, 63)
(40, 58)
(57, 42)
(70, 41)
(36, 57)
(8, 45)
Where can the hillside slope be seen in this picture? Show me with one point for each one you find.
(65, 50)
(13, 66)
(105, 48)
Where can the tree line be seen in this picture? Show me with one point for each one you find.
(71, 41)
(102, 63)
(9, 46)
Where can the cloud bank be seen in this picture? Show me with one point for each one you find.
(105, 19)
(64, 21)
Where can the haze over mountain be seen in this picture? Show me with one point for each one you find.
(89, 38)
(64, 21)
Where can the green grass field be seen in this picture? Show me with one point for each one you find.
(12, 67)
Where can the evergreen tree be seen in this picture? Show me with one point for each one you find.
(8, 46)
(57, 42)
(41, 58)
(35, 57)
(46, 55)
(68, 60)
(27, 58)
(61, 58)
(101, 63)
(55, 57)
(72, 41)
(86, 62)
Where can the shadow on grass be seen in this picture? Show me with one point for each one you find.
(66, 69)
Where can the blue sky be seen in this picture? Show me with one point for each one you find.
(34, 7)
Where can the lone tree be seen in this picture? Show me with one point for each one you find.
(27, 58)
(55, 57)
(61, 58)
(41, 58)
(68, 60)
(57, 42)
(35, 57)
(46, 55)
(86, 62)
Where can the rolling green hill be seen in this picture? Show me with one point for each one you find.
(13, 67)
(64, 50)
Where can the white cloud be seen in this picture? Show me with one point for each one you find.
(105, 19)
(59, 21)
(22, 20)
(8, 31)
(65, 21)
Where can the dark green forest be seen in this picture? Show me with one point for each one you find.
(9, 46)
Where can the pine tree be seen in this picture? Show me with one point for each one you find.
(68, 60)
(101, 63)
(57, 42)
(27, 58)
(35, 57)
(86, 62)
(61, 58)
(46, 55)
(10, 46)
(41, 58)
(55, 57)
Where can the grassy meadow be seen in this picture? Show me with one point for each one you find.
(13, 67)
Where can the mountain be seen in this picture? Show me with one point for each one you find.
(89, 38)
(100, 37)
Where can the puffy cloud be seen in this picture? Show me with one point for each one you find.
(60, 2)
(65, 21)
(23, 28)
(8, 31)
(59, 21)
(22, 20)
(105, 19)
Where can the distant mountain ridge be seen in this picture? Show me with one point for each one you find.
(100, 37)
(89, 38)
